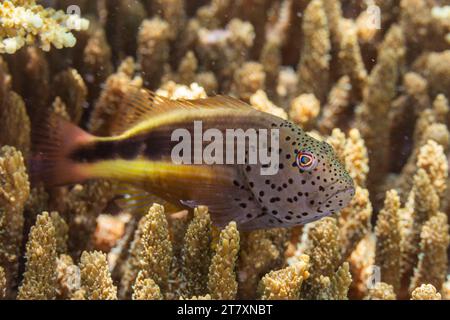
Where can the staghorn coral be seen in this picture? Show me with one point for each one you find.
(248, 79)
(335, 111)
(71, 89)
(356, 159)
(260, 252)
(222, 283)
(2, 283)
(434, 67)
(95, 277)
(145, 288)
(381, 291)
(115, 89)
(61, 232)
(304, 110)
(150, 252)
(25, 22)
(153, 50)
(433, 259)
(354, 221)
(381, 89)
(261, 102)
(350, 59)
(314, 65)
(196, 256)
(387, 253)
(328, 279)
(40, 280)
(285, 284)
(425, 292)
(14, 191)
(13, 115)
(68, 277)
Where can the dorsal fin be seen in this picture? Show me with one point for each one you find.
(141, 104)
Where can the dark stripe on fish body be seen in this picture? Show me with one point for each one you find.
(107, 150)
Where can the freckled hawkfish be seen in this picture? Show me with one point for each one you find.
(309, 181)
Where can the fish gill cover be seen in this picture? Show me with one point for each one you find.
(371, 78)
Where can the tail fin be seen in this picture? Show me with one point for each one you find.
(53, 140)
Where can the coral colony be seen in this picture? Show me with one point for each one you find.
(379, 96)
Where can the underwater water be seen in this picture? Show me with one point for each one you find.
(120, 177)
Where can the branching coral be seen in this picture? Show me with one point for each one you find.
(387, 254)
(39, 281)
(95, 277)
(14, 191)
(145, 288)
(2, 283)
(381, 291)
(25, 22)
(328, 279)
(261, 251)
(433, 259)
(150, 252)
(381, 89)
(285, 284)
(313, 69)
(222, 282)
(425, 292)
(196, 256)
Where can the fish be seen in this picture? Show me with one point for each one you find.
(308, 183)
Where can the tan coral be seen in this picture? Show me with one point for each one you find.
(116, 87)
(2, 283)
(261, 251)
(336, 110)
(95, 277)
(338, 141)
(153, 50)
(305, 110)
(423, 203)
(313, 69)
(433, 160)
(433, 260)
(24, 23)
(381, 89)
(14, 122)
(68, 277)
(196, 255)
(70, 87)
(145, 289)
(14, 191)
(39, 281)
(151, 251)
(248, 79)
(354, 221)
(61, 232)
(325, 256)
(222, 283)
(261, 102)
(425, 292)
(356, 159)
(434, 67)
(285, 284)
(381, 291)
(349, 57)
(387, 254)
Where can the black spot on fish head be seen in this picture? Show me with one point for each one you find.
(334, 186)
(322, 186)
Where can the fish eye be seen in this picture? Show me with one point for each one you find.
(306, 161)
